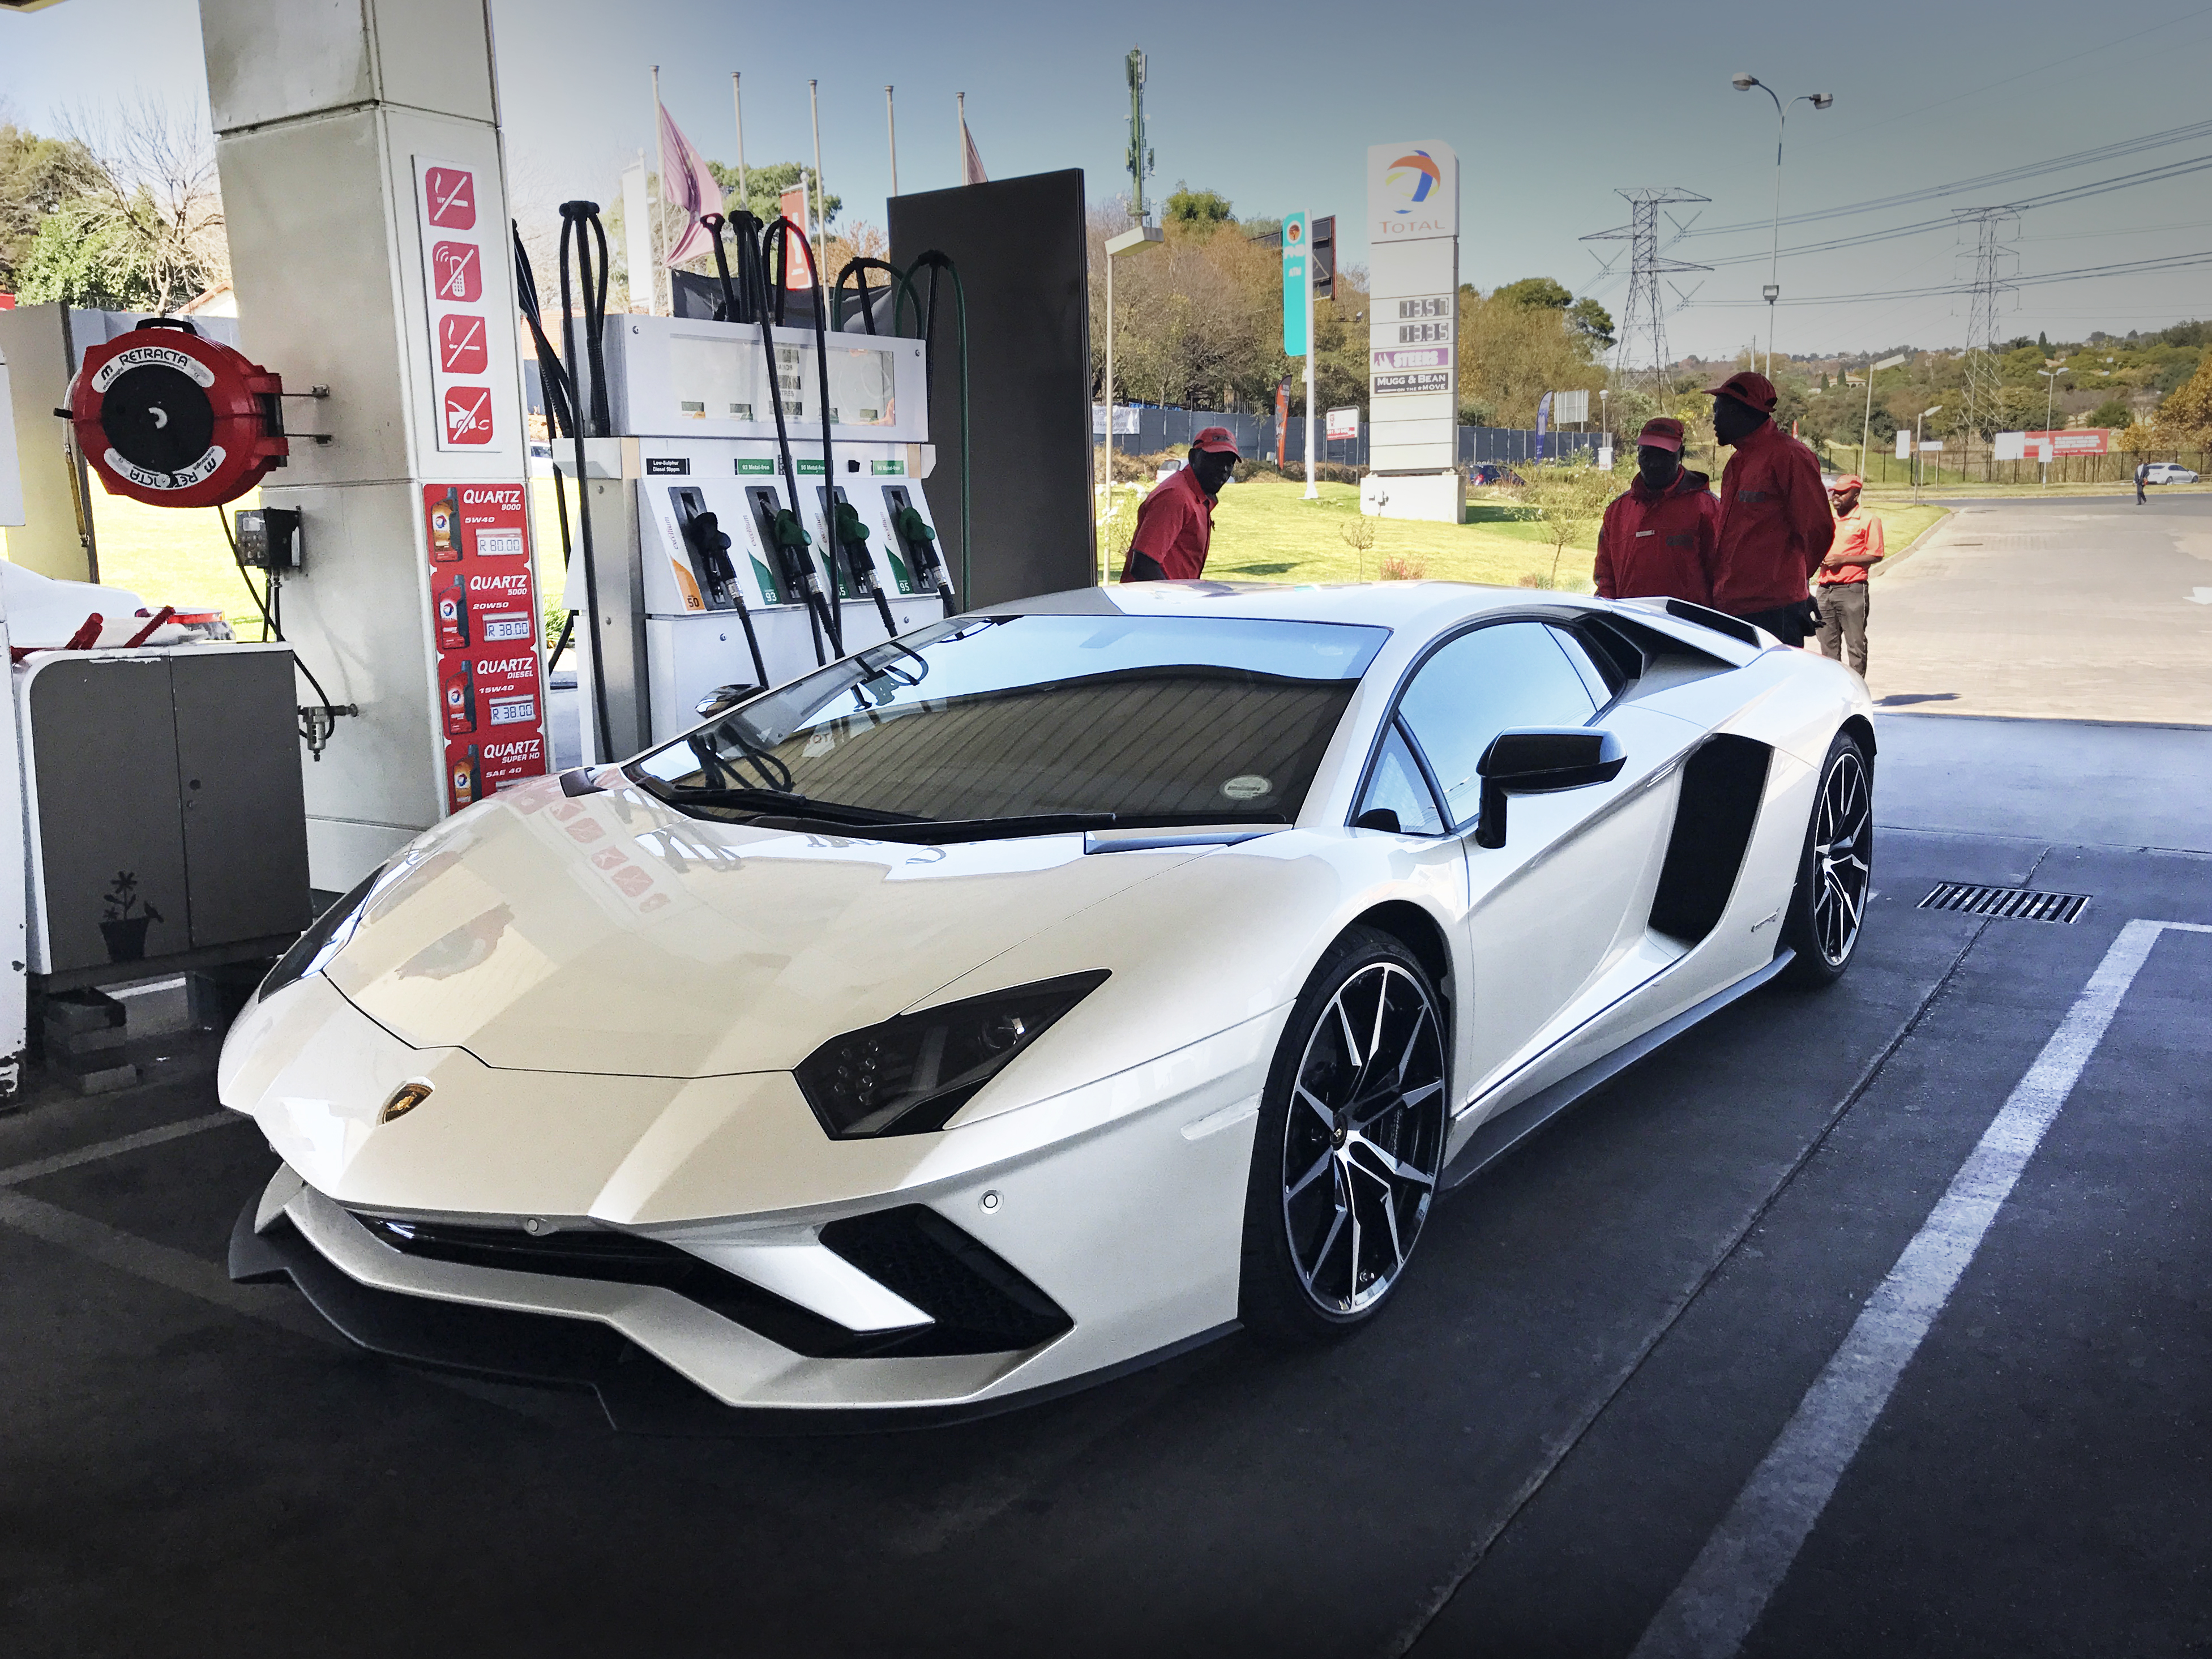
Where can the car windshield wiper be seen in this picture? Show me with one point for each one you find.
(787, 804)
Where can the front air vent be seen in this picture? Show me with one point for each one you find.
(980, 1302)
(2013, 903)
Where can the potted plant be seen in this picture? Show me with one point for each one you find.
(124, 925)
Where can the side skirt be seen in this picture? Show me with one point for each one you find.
(1502, 1134)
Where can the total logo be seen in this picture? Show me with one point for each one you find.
(1414, 177)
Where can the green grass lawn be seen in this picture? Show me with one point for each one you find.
(1263, 531)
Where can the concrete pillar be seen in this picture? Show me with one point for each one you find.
(327, 114)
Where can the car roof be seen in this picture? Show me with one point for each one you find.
(1415, 604)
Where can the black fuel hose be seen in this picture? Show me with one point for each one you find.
(559, 393)
(837, 560)
(857, 270)
(934, 261)
(575, 218)
(789, 531)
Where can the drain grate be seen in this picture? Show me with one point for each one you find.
(2020, 903)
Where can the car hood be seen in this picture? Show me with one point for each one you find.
(608, 933)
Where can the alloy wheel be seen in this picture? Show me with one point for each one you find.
(1363, 1143)
(1842, 837)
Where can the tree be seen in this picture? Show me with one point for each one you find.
(764, 189)
(1512, 353)
(1592, 321)
(2186, 416)
(1198, 208)
(2113, 411)
(1535, 291)
(36, 175)
(148, 215)
(1569, 497)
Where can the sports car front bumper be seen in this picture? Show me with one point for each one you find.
(1097, 1229)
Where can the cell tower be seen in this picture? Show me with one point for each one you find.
(1643, 353)
(1984, 390)
(1140, 153)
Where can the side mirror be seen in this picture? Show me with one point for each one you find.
(722, 699)
(1541, 761)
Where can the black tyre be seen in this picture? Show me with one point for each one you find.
(1350, 1144)
(1828, 905)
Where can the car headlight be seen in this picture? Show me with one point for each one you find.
(325, 934)
(909, 1074)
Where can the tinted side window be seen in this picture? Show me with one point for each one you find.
(1483, 683)
(1397, 784)
(1602, 685)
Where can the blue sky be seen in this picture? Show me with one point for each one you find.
(1551, 109)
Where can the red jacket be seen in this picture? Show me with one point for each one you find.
(1661, 543)
(1174, 526)
(1776, 524)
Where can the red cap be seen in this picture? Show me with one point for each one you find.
(1745, 387)
(1662, 432)
(1216, 440)
(1849, 481)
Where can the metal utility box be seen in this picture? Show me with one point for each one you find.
(163, 810)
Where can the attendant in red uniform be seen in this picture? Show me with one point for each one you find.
(1660, 539)
(1174, 522)
(1775, 524)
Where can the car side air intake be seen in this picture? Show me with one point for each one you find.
(1722, 784)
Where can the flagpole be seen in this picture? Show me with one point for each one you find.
(964, 137)
(891, 118)
(652, 212)
(738, 104)
(818, 231)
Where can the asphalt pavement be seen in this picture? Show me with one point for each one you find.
(1752, 1352)
(2071, 609)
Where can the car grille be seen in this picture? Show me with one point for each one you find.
(978, 1304)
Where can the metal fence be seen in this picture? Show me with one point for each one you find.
(1174, 429)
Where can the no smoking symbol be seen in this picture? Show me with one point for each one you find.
(461, 344)
(451, 195)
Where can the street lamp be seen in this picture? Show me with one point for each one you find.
(1142, 235)
(2050, 378)
(1867, 422)
(1772, 291)
(1923, 415)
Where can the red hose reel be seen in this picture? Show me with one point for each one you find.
(168, 416)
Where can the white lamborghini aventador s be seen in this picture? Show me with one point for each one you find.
(1038, 993)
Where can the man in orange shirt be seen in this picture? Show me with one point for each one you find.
(1775, 523)
(1842, 581)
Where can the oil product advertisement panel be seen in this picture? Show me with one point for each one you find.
(484, 604)
(465, 282)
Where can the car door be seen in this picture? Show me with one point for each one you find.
(1551, 911)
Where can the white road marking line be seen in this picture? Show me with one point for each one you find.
(1718, 1600)
(158, 1264)
(15, 1175)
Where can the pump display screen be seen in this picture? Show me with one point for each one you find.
(1154, 720)
(716, 378)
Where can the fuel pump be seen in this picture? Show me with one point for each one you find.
(742, 524)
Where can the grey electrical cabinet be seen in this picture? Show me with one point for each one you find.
(164, 819)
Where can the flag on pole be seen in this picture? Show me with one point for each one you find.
(971, 164)
(688, 184)
(792, 205)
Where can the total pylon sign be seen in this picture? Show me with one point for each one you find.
(1412, 366)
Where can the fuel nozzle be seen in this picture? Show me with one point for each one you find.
(852, 538)
(712, 543)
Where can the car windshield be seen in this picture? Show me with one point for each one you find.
(1064, 721)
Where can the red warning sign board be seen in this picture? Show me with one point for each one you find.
(462, 347)
(451, 193)
(456, 273)
(466, 412)
(483, 606)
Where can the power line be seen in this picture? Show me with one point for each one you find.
(2134, 267)
(1985, 181)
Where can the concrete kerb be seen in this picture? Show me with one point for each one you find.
(1891, 563)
